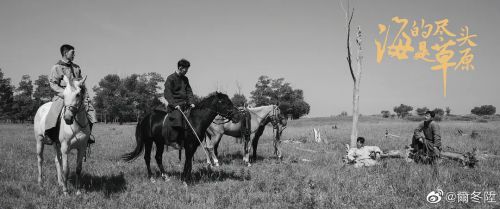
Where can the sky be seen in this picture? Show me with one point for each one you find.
(230, 42)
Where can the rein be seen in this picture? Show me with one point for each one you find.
(75, 111)
(194, 131)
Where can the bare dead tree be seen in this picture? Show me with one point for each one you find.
(356, 74)
(238, 86)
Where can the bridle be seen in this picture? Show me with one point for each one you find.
(229, 115)
(276, 118)
(75, 109)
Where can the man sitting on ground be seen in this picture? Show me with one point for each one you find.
(363, 155)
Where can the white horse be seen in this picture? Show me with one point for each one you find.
(260, 117)
(73, 133)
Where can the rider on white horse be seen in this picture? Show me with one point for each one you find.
(64, 67)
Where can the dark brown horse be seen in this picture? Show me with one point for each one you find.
(149, 130)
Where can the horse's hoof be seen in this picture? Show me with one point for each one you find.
(217, 165)
(249, 165)
(152, 180)
(184, 183)
(66, 194)
(78, 193)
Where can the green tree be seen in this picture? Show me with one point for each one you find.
(43, 93)
(484, 110)
(239, 100)
(385, 113)
(24, 106)
(107, 99)
(6, 97)
(448, 111)
(421, 111)
(403, 110)
(277, 91)
(439, 113)
(263, 92)
(129, 98)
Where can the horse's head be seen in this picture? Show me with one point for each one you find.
(74, 95)
(278, 120)
(280, 117)
(224, 106)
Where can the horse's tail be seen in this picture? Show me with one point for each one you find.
(139, 148)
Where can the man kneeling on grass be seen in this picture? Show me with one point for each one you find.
(363, 155)
(426, 141)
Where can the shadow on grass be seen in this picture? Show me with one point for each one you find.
(229, 157)
(108, 185)
(206, 174)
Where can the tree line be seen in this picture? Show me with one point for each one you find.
(404, 111)
(19, 104)
(129, 98)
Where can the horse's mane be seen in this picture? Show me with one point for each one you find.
(260, 107)
(206, 101)
(83, 88)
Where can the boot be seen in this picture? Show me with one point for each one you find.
(91, 138)
(176, 142)
(48, 139)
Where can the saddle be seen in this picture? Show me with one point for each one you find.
(174, 118)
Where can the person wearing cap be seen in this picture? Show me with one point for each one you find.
(427, 138)
(179, 96)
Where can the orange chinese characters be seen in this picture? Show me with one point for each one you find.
(465, 62)
(443, 57)
(381, 48)
(441, 28)
(400, 51)
(423, 52)
(442, 54)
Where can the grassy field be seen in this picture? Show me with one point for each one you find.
(310, 175)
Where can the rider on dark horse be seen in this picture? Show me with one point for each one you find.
(179, 96)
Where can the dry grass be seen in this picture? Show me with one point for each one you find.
(303, 179)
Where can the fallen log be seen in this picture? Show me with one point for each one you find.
(468, 159)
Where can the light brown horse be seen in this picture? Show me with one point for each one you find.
(73, 133)
(260, 117)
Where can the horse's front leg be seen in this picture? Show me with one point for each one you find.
(39, 152)
(188, 163)
(210, 149)
(160, 145)
(65, 166)
(277, 141)
(277, 152)
(255, 142)
(246, 148)
(58, 162)
(79, 162)
(213, 150)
